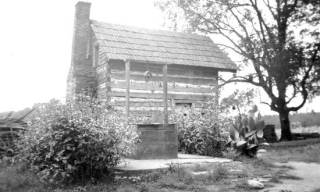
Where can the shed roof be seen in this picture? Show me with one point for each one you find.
(158, 46)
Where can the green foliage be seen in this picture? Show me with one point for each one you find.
(246, 133)
(201, 132)
(17, 178)
(238, 100)
(78, 141)
(218, 174)
(211, 173)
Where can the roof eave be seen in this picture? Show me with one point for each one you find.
(233, 70)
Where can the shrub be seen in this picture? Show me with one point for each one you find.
(247, 133)
(78, 141)
(201, 132)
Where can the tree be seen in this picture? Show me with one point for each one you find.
(278, 39)
(240, 101)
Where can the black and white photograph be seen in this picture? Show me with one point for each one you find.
(160, 95)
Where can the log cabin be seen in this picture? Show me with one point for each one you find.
(142, 71)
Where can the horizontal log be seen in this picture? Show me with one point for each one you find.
(172, 69)
(141, 104)
(170, 84)
(196, 103)
(134, 108)
(184, 75)
(147, 113)
(159, 96)
(120, 99)
(156, 86)
(187, 80)
(148, 103)
(158, 92)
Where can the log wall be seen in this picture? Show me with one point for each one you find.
(186, 84)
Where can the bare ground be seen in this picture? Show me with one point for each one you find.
(304, 175)
(307, 178)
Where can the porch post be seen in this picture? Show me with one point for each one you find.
(165, 94)
(127, 63)
(108, 81)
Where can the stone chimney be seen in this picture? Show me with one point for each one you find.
(81, 78)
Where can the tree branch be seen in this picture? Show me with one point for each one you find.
(270, 8)
(229, 47)
(262, 21)
(239, 79)
(304, 91)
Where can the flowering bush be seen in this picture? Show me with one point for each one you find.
(75, 141)
(201, 132)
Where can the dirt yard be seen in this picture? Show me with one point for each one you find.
(281, 170)
(307, 177)
(304, 168)
(293, 169)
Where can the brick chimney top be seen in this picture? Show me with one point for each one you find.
(83, 8)
(83, 3)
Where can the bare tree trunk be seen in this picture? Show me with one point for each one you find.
(285, 126)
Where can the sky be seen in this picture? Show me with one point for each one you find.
(36, 41)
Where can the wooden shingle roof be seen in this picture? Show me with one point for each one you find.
(123, 42)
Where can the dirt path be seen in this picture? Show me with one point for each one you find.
(309, 182)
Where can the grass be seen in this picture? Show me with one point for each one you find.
(17, 178)
(177, 178)
(182, 178)
(219, 177)
(300, 129)
(223, 176)
(301, 119)
(310, 153)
